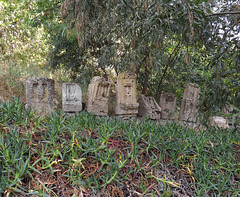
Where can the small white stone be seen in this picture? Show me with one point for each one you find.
(217, 121)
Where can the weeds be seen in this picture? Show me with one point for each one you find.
(86, 155)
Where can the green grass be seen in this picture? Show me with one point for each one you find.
(84, 154)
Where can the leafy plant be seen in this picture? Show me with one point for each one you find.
(83, 154)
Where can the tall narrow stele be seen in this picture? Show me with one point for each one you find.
(189, 111)
(126, 95)
(168, 105)
(71, 98)
(97, 97)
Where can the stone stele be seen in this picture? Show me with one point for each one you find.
(71, 97)
(40, 94)
(168, 105)
(97, 97)
(148, 107)
(189, 111)
(126, 96)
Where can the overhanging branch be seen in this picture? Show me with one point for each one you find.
(223, 13)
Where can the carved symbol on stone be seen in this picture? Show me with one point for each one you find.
(71, 97)
(126, 95)
(98, 91)
(70, 92)
(189, 110)
(128, 92)
(40, 94)
(148, 107)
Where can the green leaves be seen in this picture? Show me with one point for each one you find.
(91, 155)
(15, 158)
(19, 40)
(165, 43)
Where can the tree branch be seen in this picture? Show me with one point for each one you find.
(175, 50)
(141, 63)
(223, 13)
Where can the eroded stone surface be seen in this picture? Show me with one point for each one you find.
(148, 107)
(71, 97)
(97, 98)
(227, 111)
(40, 94)
(168, 105)
(126, 96)
(189, 111)
(217, 121)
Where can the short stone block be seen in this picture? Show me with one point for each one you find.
(71, 97)
(220, 122)
(40, 94)
(148, 107)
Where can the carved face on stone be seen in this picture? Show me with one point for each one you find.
(126, 95)
(128, 92)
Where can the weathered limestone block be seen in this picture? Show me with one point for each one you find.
(71, 97)
(97, 98)
(126, 96)
(148, 107)
(189, 111)
(217, 121)
(40, 94)
(168, 105)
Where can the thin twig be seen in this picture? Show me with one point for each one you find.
(166, 67)
(223, 13)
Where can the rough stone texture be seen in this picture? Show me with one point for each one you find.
(148, 107)
(40, 94)
(71, 97)
(126, 96)
(217, 121)
(189, 111)
(168, 105)
(227, 110)
(97, 98)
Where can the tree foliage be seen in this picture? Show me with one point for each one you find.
(20, 42)
(166, 43)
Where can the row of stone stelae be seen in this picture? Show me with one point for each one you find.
(40, 96)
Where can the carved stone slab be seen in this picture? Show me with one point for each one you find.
(71, 97)
(168, 105)
(126, 96)
(189, 111)
(97, 97)
(148, 107)
(40, 94)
